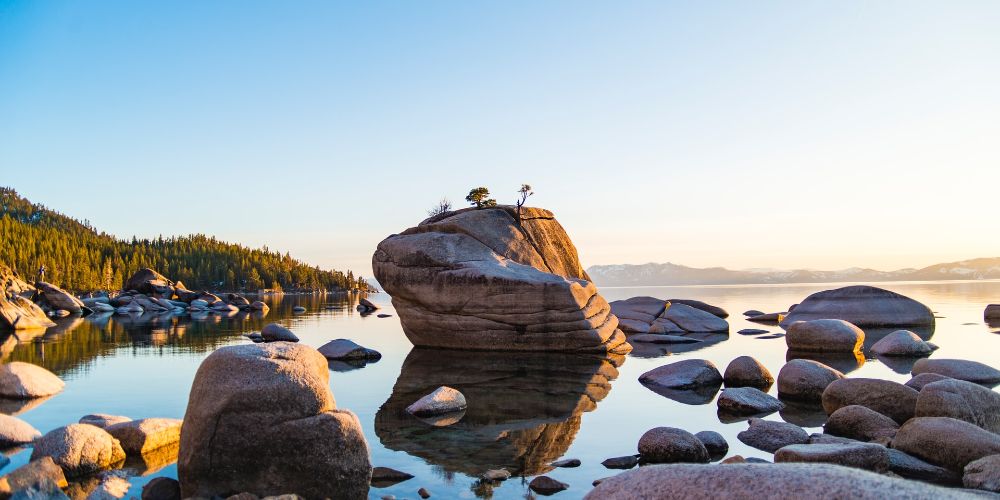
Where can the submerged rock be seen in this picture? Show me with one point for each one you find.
(686, 374)
(344, 349)
(863, 306)
(544, 485)
(443, 400)
(763, 481)
(20, 380)
(902, 343)
(748, 401)
(271, 400)
(276, 333)
(386, 476)
(482, 279)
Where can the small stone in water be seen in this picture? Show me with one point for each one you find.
(544, 485)
(570, 462)
(626, 462)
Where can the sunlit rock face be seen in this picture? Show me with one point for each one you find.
(477, 279)
(523, 408)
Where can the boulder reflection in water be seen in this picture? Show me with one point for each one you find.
(523, 407)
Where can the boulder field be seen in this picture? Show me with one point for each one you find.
(486, 279)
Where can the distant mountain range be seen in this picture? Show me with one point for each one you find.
(673, 274)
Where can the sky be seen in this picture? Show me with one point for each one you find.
(795, 134)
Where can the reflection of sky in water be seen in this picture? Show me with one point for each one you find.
(145, 369)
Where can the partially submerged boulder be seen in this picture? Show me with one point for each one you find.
(19, 380)
(80, 449)
(686, 374)
(863, 306)
(274, 332)
(483, 279)
(261, 419)
(19, 313)
(147, 434)
(14, 431)
(345, 349)
(641, 315)
(747, 401)
(903, 343)
(443, 400)
(745, 371)
(763, 481)
(971, 371)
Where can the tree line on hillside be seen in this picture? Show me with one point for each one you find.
(78, 257)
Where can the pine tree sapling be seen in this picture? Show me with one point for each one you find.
(480, 198)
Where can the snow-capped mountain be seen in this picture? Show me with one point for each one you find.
(653, 274)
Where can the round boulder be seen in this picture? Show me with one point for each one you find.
(861, 423)
(824, 335)
(261, 419)
(671, 445)
(891, 399)
(20, 380)
(805, 379)
(745, 371)
(276, 333)
(961, 400)
(80, 449)
(714, 443)
(945, 441)
(903, 343)
(971, 371)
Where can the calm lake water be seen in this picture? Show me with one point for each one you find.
(525, 410)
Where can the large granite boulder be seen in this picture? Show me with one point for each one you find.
(863, 306)
(58, 298)
(261, 419)
(639, 315)
(19, 380)
(763, 482)
(19, 313)
(80, 449)
(962, 400)
(480, 279)
(148, 281)
(945, 441)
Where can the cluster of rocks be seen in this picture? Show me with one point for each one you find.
(657, 321)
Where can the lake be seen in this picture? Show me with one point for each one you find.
(526, 410)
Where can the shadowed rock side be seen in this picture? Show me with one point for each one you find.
(476, 279)
(523, 408)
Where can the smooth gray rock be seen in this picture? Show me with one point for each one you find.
(891, 399)
(650, 338)
(544, 485)
(864, 306)
(961, 400)
(865, 456)
(745, 371)
(625, 462)
(686, 374)
(902, 343)
(771, 436)
(971, 371)
(274, 332)
(911, 467)
(671, 445)
(697, 304)
(344, 349)
(747, 401)
(983, 474)
(861, 423)
(763, 482)
(824, 335)
(752, 331)
(695, 320)
(752, 312)
(992, 312)
(946, 442)
(805, 379)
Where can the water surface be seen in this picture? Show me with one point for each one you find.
(525, 410)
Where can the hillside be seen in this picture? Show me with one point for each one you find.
(80, 258)
(653, 274)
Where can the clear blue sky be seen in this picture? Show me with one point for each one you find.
(743, 134)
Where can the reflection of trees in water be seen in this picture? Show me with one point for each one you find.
(523, 408)
(75, 342)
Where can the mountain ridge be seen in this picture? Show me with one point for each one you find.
(669, 274)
